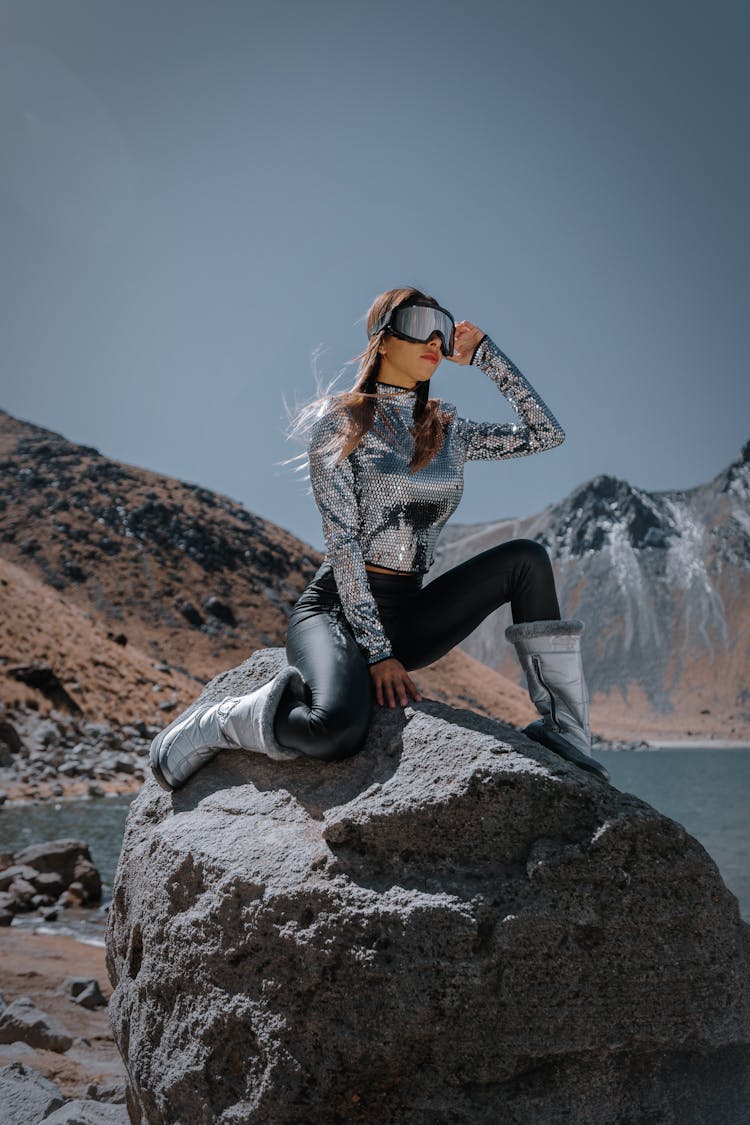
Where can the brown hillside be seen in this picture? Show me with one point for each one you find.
(145, 553)
(107, 681)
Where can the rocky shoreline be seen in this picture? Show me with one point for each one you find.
(57, 1053)
(47, 878)
(58, 756)
(58, 1059)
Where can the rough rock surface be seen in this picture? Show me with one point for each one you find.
(26, 1096)
(453, 926)
(23, 1022)
(79, 1112)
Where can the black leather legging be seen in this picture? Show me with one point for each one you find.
(422, 624)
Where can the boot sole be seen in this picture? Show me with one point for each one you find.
(559, 746)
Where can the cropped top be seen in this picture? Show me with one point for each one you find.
(375, 510)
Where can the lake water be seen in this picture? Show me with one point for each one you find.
(708, 791)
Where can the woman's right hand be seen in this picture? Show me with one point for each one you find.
(392, 682)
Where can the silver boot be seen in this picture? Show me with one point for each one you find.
(243, 722)
(550, 655)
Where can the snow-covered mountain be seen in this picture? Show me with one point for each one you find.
(662, 581)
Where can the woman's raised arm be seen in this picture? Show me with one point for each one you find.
(539, 428)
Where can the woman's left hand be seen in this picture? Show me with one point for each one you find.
(467, 338)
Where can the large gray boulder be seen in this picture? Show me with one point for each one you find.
(453, 926)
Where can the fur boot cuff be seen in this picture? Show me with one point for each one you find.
(270, 746)
(530, 630)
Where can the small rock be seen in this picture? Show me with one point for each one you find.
(73, 896)
(78, 1112)
(73, 571)
(10, 743)
(3, 797)
(48, 883)
(190, 613)
(8, 908)
(114, 1092)
(23, 892)
(74, 986)
(16, 871)
(220, 610)
(23, 1021)
(44, 679)
(96, 731)
(51, 914)
(124, 765)
(10, 736)
(95, 791)
(38, 902)
(26, 1096)
(91, 997)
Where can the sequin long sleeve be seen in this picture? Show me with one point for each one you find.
(490, 440)
(335, 494)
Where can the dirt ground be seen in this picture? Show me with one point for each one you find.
(36, 965)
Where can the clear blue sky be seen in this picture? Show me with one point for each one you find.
(196, 199)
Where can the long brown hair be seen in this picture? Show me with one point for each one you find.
(360, 404)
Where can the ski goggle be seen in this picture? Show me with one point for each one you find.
(416, 322)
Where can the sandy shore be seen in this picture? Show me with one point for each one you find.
(19, 792)
(36, 965)
(698, 744)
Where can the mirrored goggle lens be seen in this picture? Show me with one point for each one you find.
(418, 322)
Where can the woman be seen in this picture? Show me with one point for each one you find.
(386, 468)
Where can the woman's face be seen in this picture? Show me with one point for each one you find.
(406, 364)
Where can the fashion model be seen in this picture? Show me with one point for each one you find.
(386, 467)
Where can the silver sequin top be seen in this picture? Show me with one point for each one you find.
(374, 510)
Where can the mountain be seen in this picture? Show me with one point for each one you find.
(662, 581)
(185, 574)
